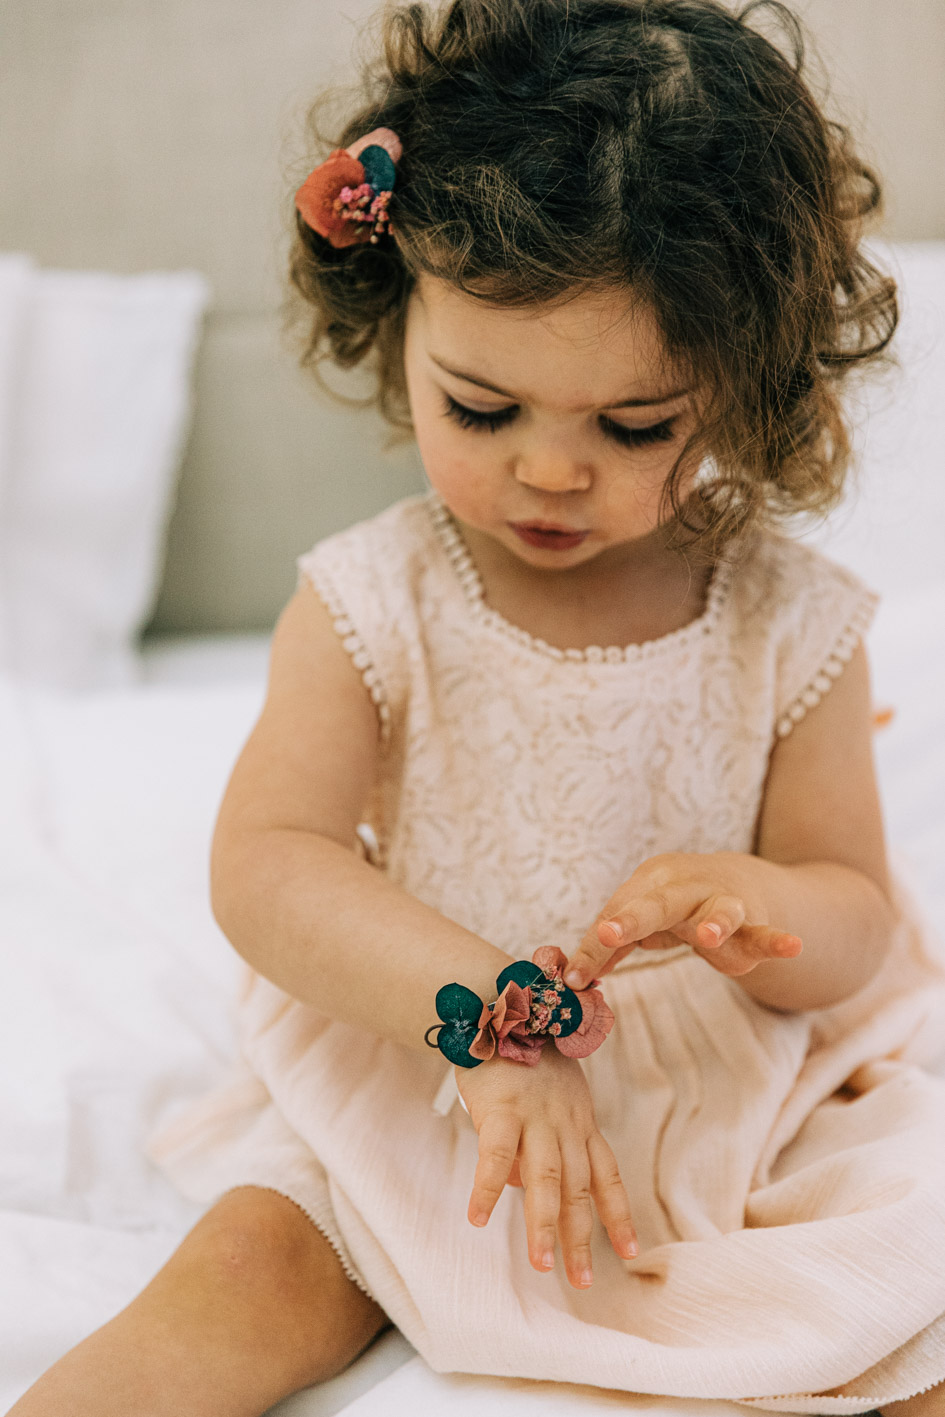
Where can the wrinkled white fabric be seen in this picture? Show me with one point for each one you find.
(786, 1172)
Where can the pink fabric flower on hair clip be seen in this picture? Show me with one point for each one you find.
(346, 197)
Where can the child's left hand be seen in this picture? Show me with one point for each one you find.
(683, 898)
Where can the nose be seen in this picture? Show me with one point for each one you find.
(549, 466)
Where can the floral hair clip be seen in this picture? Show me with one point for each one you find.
(351, 189)
(531, 1008)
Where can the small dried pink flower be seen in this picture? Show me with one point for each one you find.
(597, 1017)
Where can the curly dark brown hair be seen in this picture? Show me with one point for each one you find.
(664, 146)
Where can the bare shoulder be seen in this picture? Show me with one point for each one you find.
(821, 800)
(311, 759)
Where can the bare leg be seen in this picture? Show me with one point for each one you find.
(252, 1306)
(924, 1404)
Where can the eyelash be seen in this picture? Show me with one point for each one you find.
(627, 437)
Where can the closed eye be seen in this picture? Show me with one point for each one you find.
(627, 437)
(472, 418)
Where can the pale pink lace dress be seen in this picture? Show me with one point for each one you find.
(786, 1172)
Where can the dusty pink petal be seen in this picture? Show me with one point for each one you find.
(497, 1012)
(483, 1045)
(378, 137)
(549, 957)
(516, 1004)
(529, 1053)
(511, 1008)
(594, 1027)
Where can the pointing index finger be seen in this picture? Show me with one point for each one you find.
(657, 910)
(639, 916)
(594, 951)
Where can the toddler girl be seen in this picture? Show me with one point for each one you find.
(584, 697)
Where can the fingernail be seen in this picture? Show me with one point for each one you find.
(548, 1260)
(714, 930)
(574, 979)
(615, 928)
(480, 1218)
(585, 1277)
(630, 1248)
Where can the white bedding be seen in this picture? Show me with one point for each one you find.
(118, 980)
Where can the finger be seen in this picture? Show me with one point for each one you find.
(713, 923)
(595, 956)
(721, 915)
(660, 908)
(750, 946)
(639, 916)
(661, 940)
(576, 1221)
(766, 942)
(540, 1167)
(498, 1143)
(610, 1197)
(577, 975)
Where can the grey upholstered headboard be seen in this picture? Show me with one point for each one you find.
(137, 135)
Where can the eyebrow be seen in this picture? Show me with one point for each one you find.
(620, 403)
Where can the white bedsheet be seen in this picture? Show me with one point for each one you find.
(118, 981)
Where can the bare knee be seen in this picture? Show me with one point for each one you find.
(257, 1237)
(262, 1272)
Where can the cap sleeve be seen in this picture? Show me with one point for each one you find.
(355, 574)
(826, 611)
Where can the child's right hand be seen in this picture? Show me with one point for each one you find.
(543, 1118)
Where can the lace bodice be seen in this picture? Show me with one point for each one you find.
(521, 783)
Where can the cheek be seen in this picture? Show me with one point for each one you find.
(455, 472)
(451, 459)
(634, 490)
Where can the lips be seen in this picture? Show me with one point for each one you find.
(550, 536)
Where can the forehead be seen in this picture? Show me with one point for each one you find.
(596, 350)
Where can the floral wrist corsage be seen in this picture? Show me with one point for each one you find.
(534, 1004)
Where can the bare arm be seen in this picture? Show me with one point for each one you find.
(821, 864)
(807, 920)
(287, 887)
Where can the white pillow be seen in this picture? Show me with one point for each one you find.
(103, 405)
(889, 529)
